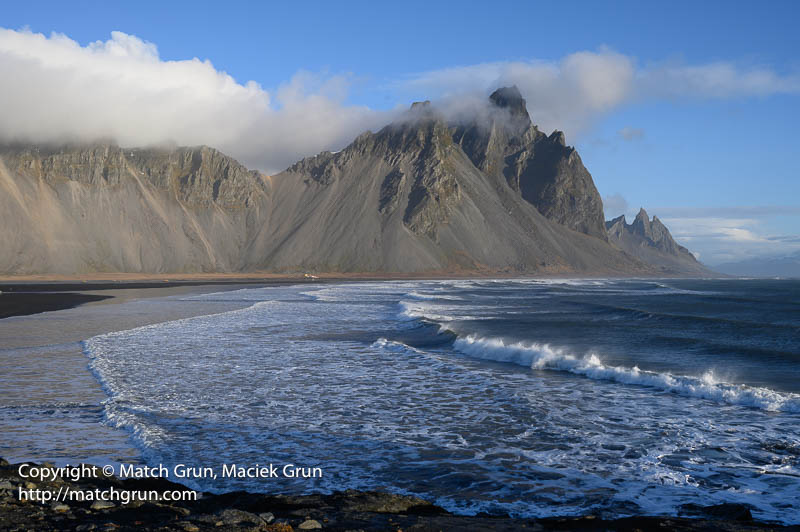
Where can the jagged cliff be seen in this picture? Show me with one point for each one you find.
(409, 198)
(543, 169)
(652, 243)
(489, 193)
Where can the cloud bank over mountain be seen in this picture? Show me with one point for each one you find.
(571, 93)
(122, 89)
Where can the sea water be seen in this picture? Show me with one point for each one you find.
(528, 397)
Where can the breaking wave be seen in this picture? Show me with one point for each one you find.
(547, 357)
(544, 356)
(397, 380)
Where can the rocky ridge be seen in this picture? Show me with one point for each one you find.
(411, 197)
(543, 169)
(77, 209)
(487, 194)
(651, 242)
(197, 176)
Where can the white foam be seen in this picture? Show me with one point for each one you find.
(231, 387)
(91, 341)
(414, 310)
(392, 345)
(419, 295)
(706, 386)
(442, 314)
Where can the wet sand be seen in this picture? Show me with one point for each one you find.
(29, 294)
(26, 295)
(50, 402)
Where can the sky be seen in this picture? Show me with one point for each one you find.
(686, 109)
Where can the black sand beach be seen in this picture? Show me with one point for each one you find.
(26, 303)
(23, 298)
(32, 295)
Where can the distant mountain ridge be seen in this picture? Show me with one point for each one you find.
(488, 193)
(783, 266)
(651, 242)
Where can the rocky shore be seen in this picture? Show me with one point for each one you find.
(348, 510)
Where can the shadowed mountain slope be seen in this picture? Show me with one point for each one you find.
(550, 175)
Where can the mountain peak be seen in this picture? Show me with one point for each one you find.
(650, 241)
(558, 137)
(419, 112)
(618, 220)
(510, 98)
(420, 106)
(545, 171)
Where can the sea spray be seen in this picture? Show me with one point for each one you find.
(544, 356)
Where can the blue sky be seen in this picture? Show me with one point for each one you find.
(688, 111)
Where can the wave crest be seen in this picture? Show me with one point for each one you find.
(544, 356)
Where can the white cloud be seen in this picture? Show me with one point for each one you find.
(561, 95)
(571, 93)
(713, 80)
(614, 205)
(728, 239)
(54, 90)
(631, 133)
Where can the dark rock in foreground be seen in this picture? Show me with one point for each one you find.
(349, 510)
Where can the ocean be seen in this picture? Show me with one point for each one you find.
(527, 397)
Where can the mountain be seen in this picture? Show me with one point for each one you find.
(787, 266)
(651, 242)
(101, 208)
(410, 198)
(543, 169)
(485, 193)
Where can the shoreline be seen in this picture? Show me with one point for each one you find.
(29, 297)
(351, 510)
(348, 510)
(266, 277)
(33, 294)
